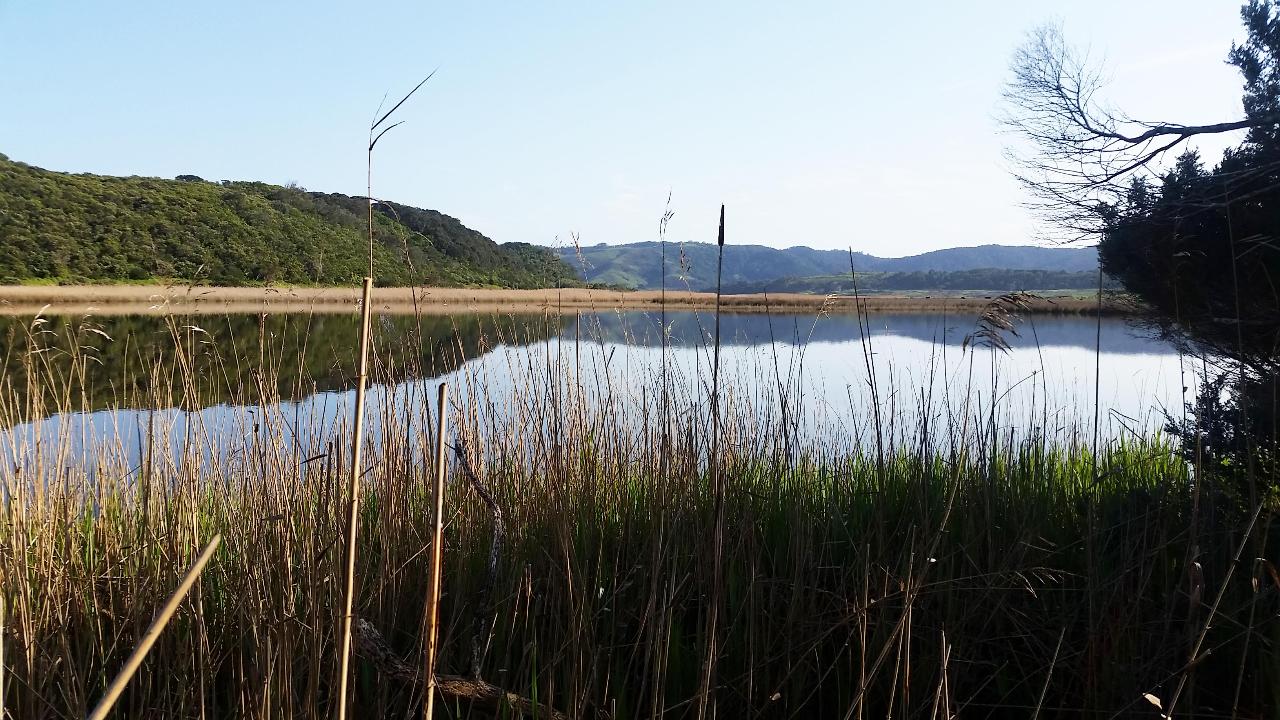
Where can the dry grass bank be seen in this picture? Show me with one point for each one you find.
(149, 299)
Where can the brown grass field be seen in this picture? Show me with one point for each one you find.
(155, 299)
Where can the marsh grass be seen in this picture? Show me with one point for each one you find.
(949, 575)
(150, 299)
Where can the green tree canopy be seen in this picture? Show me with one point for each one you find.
(82, 228)
(1201, 246)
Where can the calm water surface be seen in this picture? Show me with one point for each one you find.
(837, 378)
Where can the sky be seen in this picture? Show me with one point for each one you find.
(871, 125)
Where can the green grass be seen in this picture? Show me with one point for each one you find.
(991, 577)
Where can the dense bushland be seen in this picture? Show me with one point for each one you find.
(81, 228)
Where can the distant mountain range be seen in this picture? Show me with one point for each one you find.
(946, 282)
(756, 267)
(74, 228)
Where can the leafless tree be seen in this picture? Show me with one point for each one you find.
(1080, 156)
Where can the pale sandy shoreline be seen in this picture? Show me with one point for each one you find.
(182, 300)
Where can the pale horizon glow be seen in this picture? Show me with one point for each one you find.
(821, 124)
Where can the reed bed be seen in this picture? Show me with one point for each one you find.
(182, 298)
(970, 571)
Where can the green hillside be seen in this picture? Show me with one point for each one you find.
(638, 265)
(88, 228)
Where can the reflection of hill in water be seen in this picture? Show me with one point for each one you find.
(139, 366)
(129, 360)
(1118, 335)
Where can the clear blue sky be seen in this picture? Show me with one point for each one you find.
(818, 123)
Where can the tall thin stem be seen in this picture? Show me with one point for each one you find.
(2, 653)
(353, 497)
(706, 698)
(437, 560)
(357, 432)
(152, 634)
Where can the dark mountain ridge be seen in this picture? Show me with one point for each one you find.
(638, 265)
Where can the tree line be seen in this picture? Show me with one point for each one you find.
(69, 228)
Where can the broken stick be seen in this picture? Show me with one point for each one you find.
(370, 645)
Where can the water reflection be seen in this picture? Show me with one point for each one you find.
(138, 361)
(289, 377)
(686, 328)
(909, 369)
(124, 361)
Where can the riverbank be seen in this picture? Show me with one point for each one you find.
(154, 299)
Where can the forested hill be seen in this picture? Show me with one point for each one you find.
(638, 265)
(83, 228)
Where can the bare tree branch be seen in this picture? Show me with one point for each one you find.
(1081, 156)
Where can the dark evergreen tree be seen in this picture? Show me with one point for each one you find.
(1202, 248)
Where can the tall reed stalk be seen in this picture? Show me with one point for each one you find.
(353, 496)
(108, 701)
(437, 558)
(357, 430)
(706, 696)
